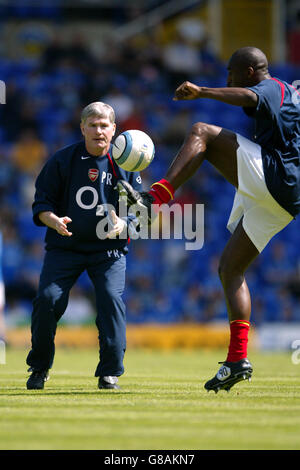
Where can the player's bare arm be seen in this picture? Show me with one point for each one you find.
(236, 96)
(56, 223)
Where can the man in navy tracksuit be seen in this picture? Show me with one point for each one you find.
(72, 193)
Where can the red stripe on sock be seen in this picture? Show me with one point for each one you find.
(238, 345)
(162, 191)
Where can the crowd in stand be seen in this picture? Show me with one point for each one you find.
(165, 282)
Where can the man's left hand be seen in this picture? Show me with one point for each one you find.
(118, 225)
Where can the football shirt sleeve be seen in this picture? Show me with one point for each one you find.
(135, 180)
(270, 97)
(48, 189)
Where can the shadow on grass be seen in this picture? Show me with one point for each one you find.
(17, 391)
(71, 392)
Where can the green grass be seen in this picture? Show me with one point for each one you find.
(162, 404)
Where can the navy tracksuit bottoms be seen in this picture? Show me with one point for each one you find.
(60, 271)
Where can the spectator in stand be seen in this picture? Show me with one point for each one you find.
(193, 303)
(80, 54)
(28, 119)
(278, 267)
(53, 54)
(119, 100)
(182, 55)
(294, 41)
(29, 152)
(181, 59)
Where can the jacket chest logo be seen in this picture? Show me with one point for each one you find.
(93, 174)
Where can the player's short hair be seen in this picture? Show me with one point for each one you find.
(249, 57)
(98, 109)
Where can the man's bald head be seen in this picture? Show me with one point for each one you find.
(247, 67)
(249, 57)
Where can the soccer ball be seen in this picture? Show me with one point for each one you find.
(133, 150)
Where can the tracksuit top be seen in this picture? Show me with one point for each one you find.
(75, 184)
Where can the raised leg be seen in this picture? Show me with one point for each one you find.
(205, 142)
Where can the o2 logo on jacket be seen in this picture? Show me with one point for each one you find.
(95, 197)
(93, 174)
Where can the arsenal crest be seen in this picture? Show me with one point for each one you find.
(93, 174)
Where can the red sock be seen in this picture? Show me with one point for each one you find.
(162, 191)
(238, 340)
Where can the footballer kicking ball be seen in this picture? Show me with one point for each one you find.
(133, 150)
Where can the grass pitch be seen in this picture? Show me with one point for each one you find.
(162, 404)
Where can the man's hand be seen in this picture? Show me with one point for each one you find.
(118, 225)
(141, 200)
(56, 223)
(61, 226)
(187, 91)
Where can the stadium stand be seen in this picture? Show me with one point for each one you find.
(46, 88)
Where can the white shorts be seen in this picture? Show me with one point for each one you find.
(262, 216)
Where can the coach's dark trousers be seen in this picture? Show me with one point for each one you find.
(60, 271)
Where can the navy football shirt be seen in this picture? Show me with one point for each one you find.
(277, 131)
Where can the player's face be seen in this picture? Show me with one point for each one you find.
(98, 133)
(234, 78)
(238, 77)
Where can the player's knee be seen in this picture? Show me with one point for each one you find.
(225, 270)
(229, 271)
(50, 299)
(43, 301)
(199, 128)
(203, 130)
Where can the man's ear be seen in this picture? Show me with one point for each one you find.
(250, 71)
(82, 128)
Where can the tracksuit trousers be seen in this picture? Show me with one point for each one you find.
(60, 271)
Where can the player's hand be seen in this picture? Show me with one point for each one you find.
(187, 91)
(118, 225)
(61, 226)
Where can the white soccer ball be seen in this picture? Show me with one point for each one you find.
(133, 150)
